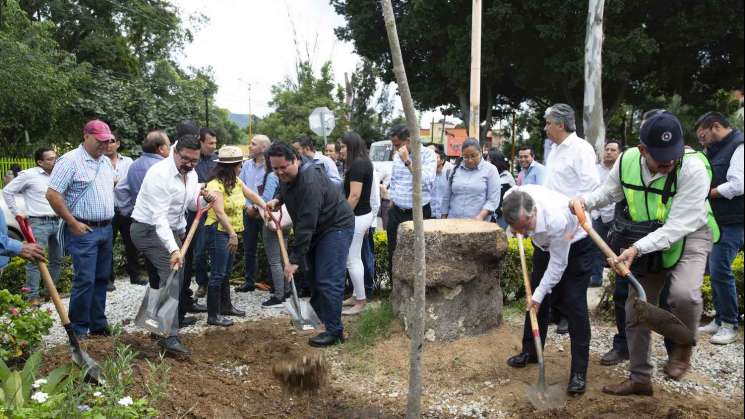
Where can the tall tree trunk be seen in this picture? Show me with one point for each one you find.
(473, 119)
(416, 325)
(592, 112)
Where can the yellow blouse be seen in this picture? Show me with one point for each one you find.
(233, 203)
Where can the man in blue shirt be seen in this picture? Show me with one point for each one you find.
(532, 172)
(10, 247)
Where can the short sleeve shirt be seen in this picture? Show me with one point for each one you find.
(233, 203)
(361, 170)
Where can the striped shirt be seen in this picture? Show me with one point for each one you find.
(401, 189)
(71, 176)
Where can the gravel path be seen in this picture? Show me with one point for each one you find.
(122, 305)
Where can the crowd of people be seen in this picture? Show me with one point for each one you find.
(687, 204)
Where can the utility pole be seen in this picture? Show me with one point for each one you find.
(206, 108)
(473, 123)
(250, 134)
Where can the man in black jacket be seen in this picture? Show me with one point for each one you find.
(323, 223)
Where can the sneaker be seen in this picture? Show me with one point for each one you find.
(349, 302)
(710, 328)
(272, 303)
(354, 310)
(725, 335)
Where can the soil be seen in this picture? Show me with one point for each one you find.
(229, 375)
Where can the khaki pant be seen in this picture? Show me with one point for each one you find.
(685, 301)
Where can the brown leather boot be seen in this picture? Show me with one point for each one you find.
(679, 362)
(628, 388)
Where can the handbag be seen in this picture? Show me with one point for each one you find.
(285, 222)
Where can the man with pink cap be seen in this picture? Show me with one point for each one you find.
(81, 192)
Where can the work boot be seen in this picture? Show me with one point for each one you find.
(226, 305)
(679, 362)
(173, 345)
(614, 357)
(577, 383)
(213, 308)
(628, 388)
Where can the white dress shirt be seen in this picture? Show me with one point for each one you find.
(32, 184)
(688, 211)
(164, 199)
(734, 185)
(556, 228)
(606, 213)
(570, 168)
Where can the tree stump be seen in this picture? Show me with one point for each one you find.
(464, 296)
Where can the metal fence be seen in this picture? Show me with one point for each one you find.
(6, 163)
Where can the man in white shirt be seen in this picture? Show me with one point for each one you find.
(170, 188)
(683, 240)
(602, 218)
(561, 268)
(32, 184)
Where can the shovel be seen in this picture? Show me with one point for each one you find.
(655, 318)
(79, 356)
(301, 312)
(541, 396)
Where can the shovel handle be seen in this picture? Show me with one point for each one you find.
(528, 290)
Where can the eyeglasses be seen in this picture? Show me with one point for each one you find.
(187, 160)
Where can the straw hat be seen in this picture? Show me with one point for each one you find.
(230, 154)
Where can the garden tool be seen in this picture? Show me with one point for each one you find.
(79, 356)
(655, 318)
(301, 312)
(159, 308)
(541, 396)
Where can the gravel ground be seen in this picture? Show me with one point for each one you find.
(122, 305)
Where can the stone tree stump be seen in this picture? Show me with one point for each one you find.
(463, 294)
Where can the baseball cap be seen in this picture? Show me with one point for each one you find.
(663, 136)
(98, 129)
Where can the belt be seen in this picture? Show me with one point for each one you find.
(102, 223)
(44, 217)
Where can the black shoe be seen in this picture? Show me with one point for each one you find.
(272, 303)
(521, 360)
(105, 332)
(226, 305)
(110, 287)
(325, 339)
(577, 383)
(187, 321)
(614, 357)
(173, 345)
(245, 288)
(219, 320)
(196, 308)
(137, 281)
(562, 327)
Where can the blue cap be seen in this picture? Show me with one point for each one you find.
(662, 134)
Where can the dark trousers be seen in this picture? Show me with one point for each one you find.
(195, 262)
(396, 216)
(569, 297)
(329, 266)
(599, 259)
(368, 260)
(252, 228)
(221, 259)
(120, 224)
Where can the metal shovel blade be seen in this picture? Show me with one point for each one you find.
(90, 367)
(545, 397)
(301, 312)
(663, 322)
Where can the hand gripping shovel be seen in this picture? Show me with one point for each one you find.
(79, 356)
(541, 396)
(655, 318)
(160, 306)
(301, 312)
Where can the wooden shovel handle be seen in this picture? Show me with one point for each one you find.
(526, 282)
(620, 268)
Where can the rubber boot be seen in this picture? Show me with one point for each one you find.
(226, 305)
(213, 308)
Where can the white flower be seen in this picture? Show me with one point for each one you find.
(40, 397)
(125, 401)
(97, 394)
(38, 383)
(84, 408)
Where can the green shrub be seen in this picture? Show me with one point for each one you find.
(373, 324)
(511, 274)
(13, 277)
(21, 327)
(737, 269)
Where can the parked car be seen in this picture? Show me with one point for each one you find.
(381, 154)
(14, 230)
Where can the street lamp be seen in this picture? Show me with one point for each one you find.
(206, 108)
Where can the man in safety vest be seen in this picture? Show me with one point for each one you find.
(665, 187)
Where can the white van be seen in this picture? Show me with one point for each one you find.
(381, 154)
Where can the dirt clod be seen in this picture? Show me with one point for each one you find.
(300, 375)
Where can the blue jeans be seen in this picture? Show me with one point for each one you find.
(221, 260)
(196, 255)
(329, 264)
(598, 259)
(45, 233)
(91, 259)
(724, 292)
(368, 260)
(252, 227)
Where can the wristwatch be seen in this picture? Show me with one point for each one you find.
(407, 163)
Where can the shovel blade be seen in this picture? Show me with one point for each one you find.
(302, 314)
(663, 322)
(89, 366)
(544, 397)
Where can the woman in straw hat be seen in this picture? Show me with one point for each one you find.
(224, 222)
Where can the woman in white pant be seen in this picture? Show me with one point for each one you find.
(358, 182)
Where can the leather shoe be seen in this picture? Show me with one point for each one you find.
(173, 345)
(110, 287)
(196, 308)
(562, 327)
(219, 320)
(614, 357)
(245, 288)
(230, 310)
(521, 360)
(577, 383)
(186, 321)
(325, 339)
(628, 388)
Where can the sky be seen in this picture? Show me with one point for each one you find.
(253, 42)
